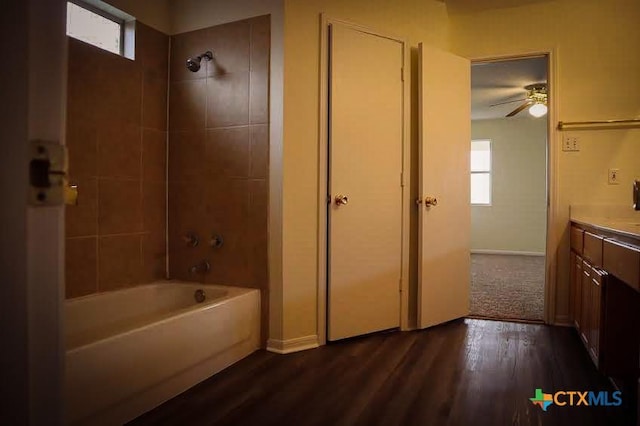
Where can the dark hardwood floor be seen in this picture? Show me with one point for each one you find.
(468, 372)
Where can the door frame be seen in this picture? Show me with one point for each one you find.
(32, 295)
(554, 229)
(323, 173)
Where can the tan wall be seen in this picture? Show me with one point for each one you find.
(116, 135)
(424, 21)
(218, 155)
(155, 13)
(597, 62)
(516, 220)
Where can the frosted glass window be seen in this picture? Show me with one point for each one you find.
(94, 28)
(481, 172)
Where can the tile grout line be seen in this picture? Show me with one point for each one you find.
(141, 175)
(166, 165)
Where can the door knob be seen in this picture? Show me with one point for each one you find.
(430, 201)
(342, 200)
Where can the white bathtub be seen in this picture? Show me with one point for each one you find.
(130, 350)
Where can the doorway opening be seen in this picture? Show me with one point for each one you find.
(509, 187)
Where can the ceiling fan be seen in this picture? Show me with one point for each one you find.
(536, 98)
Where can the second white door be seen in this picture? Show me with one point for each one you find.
(364, 182)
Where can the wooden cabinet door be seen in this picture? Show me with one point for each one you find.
(573, 287)
(585, 318)
(595, 315)
(577, 284)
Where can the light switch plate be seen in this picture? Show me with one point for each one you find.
(570, 143)
(614, 176)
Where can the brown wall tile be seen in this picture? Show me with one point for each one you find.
(257, 226)
(152, 51)
(120, 150)
(154, 256)
(82, 144)
(154, 206)
(227, 152)
(154, 103)
(119, 206)
(121, 86)
(228, 214)
(228, 100)
(259, 98)
(230, 45)
(154, 155)
(259, 153)
(82, 219)
(260, 43)
(186, 154)
(187, 105)
(120, 261)
(81, 263)
(84, 91)
(187, 209)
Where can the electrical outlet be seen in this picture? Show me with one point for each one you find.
(570, 143)
(614, 176)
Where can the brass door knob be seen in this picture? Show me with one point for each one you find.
(430, 201)
(342, 200)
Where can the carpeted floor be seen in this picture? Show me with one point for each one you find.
(505, 286)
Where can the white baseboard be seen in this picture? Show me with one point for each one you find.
(292, 345)
(507, 252)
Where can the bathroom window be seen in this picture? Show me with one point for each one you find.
(97, 23)
(481, 172)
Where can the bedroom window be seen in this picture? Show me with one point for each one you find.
(481, 172)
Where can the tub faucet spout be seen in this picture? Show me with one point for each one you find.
(201, 268)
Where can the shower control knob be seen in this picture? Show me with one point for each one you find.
(342, 200)
(216, 241)
(191, 239)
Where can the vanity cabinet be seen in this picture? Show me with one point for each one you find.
(604, 300)
(623, 261)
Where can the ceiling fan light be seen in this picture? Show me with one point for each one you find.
(538, 110)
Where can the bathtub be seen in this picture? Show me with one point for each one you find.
(127, 351)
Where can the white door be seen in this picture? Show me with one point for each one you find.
(32, 259)
(365, 166)
(445, 225)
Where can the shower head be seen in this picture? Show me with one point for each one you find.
(193, 64)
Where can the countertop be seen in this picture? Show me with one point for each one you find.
(621, 220)
(629, 229)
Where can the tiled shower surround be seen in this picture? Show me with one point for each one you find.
(218, 154)
(116, 135)
(217, 160)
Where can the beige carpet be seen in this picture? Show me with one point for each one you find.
(510, 287)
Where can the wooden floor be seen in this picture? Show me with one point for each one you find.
(469, 372)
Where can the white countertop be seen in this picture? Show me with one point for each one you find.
(619, 219)
(611, 225)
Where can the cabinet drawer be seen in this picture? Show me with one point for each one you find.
(623, 262)
(577, 235)
(592, 249)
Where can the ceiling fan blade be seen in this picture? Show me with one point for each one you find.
(520, 108)
(509, 102)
